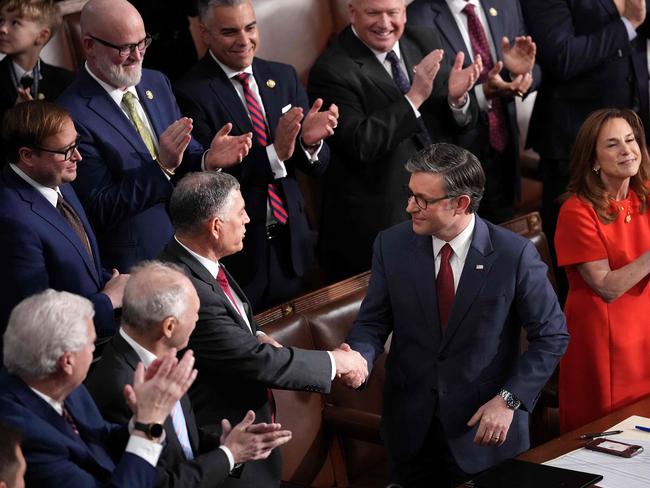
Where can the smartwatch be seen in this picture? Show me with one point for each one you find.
(153, 431)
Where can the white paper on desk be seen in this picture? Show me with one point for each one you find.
(618, 472)
(629, 432)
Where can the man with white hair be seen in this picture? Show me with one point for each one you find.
(48, 348)
(132, 137)
(160, 312)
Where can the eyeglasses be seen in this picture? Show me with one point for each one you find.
(67, 152)
(422, 202)
(126, 49)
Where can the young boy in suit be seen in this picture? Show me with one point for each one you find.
(26, 26)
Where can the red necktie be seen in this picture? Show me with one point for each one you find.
(68, 418)
(496, 115)
(261, 134)
(222, 279)
(445, 287)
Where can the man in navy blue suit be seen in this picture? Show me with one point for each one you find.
(455, 292)
(46, 240)
(288, 135)
(593, 55)
(48, 348)
(509, 71)
(132, 137)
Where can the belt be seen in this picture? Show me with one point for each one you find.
(273, 230)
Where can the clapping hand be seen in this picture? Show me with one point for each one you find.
(462, 80)
(519, 58)
(496, 86)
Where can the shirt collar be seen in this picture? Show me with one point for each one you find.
(147, 357)
(459, 244)
(211, 266)
(457, 6)
(115, 93)
(50, 194)
(230, 73)
(380, 55)
(56, 405)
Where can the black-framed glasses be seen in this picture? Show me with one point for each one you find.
(422, 202)
(126, 49)
(68, 152)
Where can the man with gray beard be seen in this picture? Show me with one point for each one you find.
(132, 137)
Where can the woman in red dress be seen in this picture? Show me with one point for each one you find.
(603, 241)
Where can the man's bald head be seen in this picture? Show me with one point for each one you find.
(106, 26)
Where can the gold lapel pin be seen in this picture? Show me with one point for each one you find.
(493, 12)
(149, 94)
(270, 83)
(40, 96)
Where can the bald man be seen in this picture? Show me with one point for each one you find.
(132, 137)
(160, 312)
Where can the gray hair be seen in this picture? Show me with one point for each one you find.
(461, 170)
(154, 292)
(199, 197)
(42, 328)
(204, 6)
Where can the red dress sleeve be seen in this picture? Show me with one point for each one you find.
(578, 238)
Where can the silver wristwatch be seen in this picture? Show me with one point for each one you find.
(512, 402)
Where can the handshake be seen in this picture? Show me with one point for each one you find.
(351, 367)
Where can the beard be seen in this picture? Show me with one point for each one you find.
(116, 75)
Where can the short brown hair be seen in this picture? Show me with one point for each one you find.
(46, 12)
(586, 183)
(28, 124)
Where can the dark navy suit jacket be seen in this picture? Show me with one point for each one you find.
(207, 96)
(503, 288)
(588, 63)
(122, 188)
(56, 456)
(507, 22)
(39, 250)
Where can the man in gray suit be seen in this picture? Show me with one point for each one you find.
(237, 362)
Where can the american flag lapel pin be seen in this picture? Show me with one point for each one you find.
(479, 266)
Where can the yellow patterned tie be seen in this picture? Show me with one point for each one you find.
(129, 102)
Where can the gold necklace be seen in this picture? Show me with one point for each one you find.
(628, 217)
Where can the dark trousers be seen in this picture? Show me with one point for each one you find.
(433, 466)
(501, 184)
(282, 283)
(555, 177)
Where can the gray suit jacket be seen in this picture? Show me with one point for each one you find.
(236, 370)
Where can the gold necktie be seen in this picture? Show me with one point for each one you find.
(129, 102)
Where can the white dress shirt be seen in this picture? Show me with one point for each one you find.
(460, 246)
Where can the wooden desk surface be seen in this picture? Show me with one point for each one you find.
(569, 441)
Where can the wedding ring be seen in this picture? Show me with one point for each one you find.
(520, 93)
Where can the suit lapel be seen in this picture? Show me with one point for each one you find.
(151, 106)
(495, 22)
(176, 250)
(423, 269)
(105, 108)
(225, 93)
(369, 65)
(448, 28)
(477, 267)
(44, 209)
(272, 103)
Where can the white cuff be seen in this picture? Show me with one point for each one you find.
(144, 448)
(333, 363)
(231, 458)
(277, 166)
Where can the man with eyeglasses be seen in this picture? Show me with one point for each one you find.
(133, 139)
(455, 291)
(46, 240)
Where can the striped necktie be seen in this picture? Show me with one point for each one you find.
(261, 132)
(180, 427)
